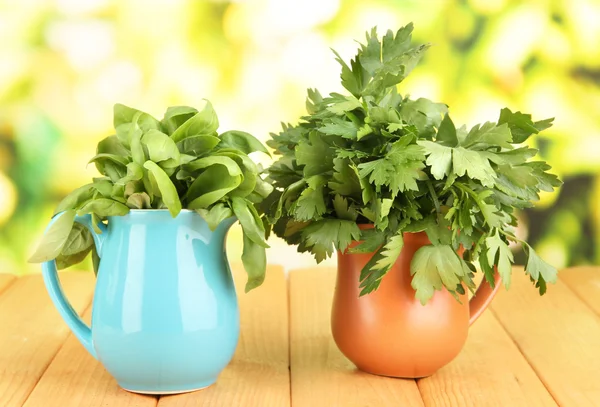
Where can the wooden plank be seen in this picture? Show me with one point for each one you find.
(585, 282)
(259, 372)
(32, 331)
(558, 334)
(321, 375)
(5, 281)
(75, 379)
(490, 371)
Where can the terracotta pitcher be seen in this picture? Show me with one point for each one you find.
(388, 332)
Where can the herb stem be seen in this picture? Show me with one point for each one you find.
(436, 202)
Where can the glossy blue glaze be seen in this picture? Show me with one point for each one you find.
(165, 317)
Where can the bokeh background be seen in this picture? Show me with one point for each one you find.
(64, 63)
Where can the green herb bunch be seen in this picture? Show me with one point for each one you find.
(178, 162)
(376, 157)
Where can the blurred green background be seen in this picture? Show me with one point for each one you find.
(64, 63)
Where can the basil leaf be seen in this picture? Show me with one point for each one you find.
(252, 227)
(160, 146)
(254, 259)
(127, 115)
(215, 215)
(175, 116)
(197, 145)
(104, 207)
(139, 200)
(249, 172)
(76, 198)
(232, 167)
(167, 189)
(67, 260)
(54, 238)
(112, 145)
(210, 186)
(205, 122)
(80, 239)
(242, 141)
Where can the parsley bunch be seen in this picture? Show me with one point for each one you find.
(376, 157)
(177, 162)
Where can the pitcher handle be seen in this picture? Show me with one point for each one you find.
(483, 297)
(79, 328)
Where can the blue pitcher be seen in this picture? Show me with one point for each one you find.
(165, 317)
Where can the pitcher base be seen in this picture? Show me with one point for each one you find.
(184, 389)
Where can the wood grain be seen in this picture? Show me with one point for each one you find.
(490, 371)
(75, 379)
(559, 335)
(585, 282)
(259, 372)
(32, 331)
(321, 375)
(5, 281)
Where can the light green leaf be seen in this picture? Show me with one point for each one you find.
(315, 154)
(342, 210)
(168, 192)
(232, 167)
(434, 267)
(175, 116)
(210, 186)
(539, 270)
(381, 262)
(253, 229)
(205, 122)
(79, 240)
(489, 134)
(197, 145)
(54, 238)
(160, 146)
(474, 164)
(139, 200)
(499, 254)
(242, 141)
(76, 198)
(104, 207)
(439, 158)
(349, 103)
(324, 235)
(446, 134)
(215, 215)
(254, 259)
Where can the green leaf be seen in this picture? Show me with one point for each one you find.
(104, 207)
(126, 115)
(205, 122)
(371, 241)
(434, 267)
(311, 204)
(446, 134)
(352, 79)
(233, 169)
(323, 235)
(210, 186)
(254, 259)
(474, 164)
(175, 116)
(197, 145)
(76, 198)
(139, 200)
(345, 104)
(251, 226)
(424, 114)
(381, 262)
(168, 192)
(160, 146)
(538, 270)
(95, 260)
(112, 145)
(54, 238)
(67, 260)
(341, 128)
(315, 155)
(215, 215)
(499, 254)
(342, 210)
(439, 158)
(249, 172)
(345, 180)
(103, 160)
(521, 126)
(79, 240)
(242, 141)
(489, 134)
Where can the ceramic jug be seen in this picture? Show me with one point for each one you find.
(165, 317)
(389, 332)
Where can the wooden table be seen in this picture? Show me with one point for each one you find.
(527, 351)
